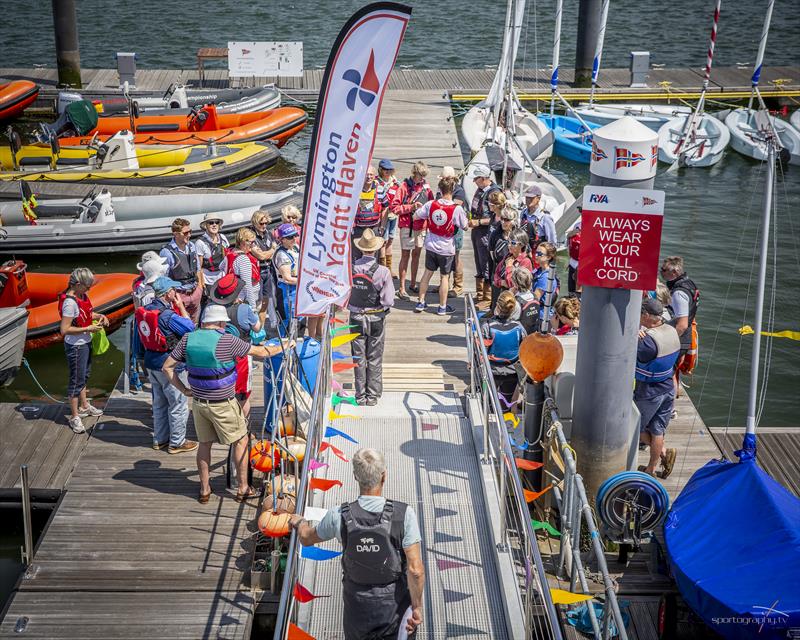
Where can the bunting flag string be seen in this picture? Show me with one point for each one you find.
(546, 526)
(335, 321)
(527, 465)
(343, 339)
(337, 452)
(336, 386)
(296, 633)
(337, 399)
(338, 367)
(315, 553)
(316, 464)
(530, 496)
(332, 415)
(301, 594)
(344, 356)
(344, 327)
(323, 484)
(559, 596)
(330, 432)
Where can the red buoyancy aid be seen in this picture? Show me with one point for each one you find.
(152, 337)
(413, 193)
(574, 246)
(369, 209)
(85, 309)
(255, 270)
(440, 219)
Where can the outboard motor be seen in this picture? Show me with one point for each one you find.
(100, 210)
(118, 152)
(64, 98)
(177, 99)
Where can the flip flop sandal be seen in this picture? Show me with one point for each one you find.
(247, 495)
(203, 498)
(668, 462)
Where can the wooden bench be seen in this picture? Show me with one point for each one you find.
(208, 53)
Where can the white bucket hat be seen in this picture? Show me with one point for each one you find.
(152, 270)
(215, 313)
(147, 256)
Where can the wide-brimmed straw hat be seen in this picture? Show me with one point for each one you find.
(369, 241)
(226, 289)
(210, 217)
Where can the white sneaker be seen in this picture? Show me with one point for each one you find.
(89, 410)
(76, 424)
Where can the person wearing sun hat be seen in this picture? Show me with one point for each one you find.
(211, 249)
(151, 267)
(286, 261)
(371, 297)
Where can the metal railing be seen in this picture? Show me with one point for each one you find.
(314, 434)
(516, 529)
(574, 510)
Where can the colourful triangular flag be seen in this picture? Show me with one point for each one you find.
(344, 327)
(530, 496)
(522, 447)
(513, 419)
(527, 465)
(323, 484)
(337, 452)
(301, 594)
(337, 399)
(559, 596)
(336, 385)
(315, 553)
(332, 415)
(316, 464)
(338, 367)
(296, 633)
(343, 356)
(330, 432)
(547, 527)
(338, 341)
(335, 321)
(442, 564)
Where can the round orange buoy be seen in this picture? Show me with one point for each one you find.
(274, 525)
(282, 486)
(540, 355)
(262, 457)
(297, 446)
(283, 504)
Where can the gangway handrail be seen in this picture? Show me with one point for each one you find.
(314, 435)
(497, 452)
(575, 508)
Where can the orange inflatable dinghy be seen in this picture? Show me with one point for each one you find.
(201, 127)
(15, 97)
(110, 295)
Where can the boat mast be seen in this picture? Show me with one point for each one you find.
(762, 45)
(556, 53)
(598, 51)
(495, 96)
(516, 29)
(750, 427)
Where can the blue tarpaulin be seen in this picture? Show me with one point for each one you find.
(733, 541)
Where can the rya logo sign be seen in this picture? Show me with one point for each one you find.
(600, 198)
(366, 86)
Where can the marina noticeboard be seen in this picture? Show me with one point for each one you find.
(620, 237)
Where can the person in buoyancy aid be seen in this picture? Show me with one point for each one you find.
(481, 216)
(371, 297)
(445, 218)
(567, 312)
(545, 256)
(184, 266)
(516, 257)
(151, 267)
(387, 185)
(502, 337)
(654, 395)
(244, 265)
(683, 307)
(78, 322)
(286, 261)
(160, 325)
(210, 354)
(536, 220)
(460, 198)
(289, 215)
(228, 292)
(412, 193)
(212, 248)
(574, 250)
(527, 309)
(368, 214)
(383, 574)
(263, 249)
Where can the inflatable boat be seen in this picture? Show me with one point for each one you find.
(15, 97)
(102, 223)
(120, 161)
(200, 126)
(111, 295)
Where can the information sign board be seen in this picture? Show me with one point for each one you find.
(281, 59)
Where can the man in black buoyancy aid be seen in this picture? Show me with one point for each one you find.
(370, 299)
(480, 220)
(683, 305)
(383, 573)
(211, 249)
(183, 266)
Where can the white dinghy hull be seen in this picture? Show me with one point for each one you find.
(707, 148)
(476, 127)
(745, 139)
(653, 116)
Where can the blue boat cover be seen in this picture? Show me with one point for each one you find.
(733, 541)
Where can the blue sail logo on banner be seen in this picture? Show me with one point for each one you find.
(366, 88)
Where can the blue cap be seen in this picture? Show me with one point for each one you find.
(286, 230)
(386, 164)
(164, 284)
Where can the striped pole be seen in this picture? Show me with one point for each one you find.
(711, 45)
(556, 55)
(598, 52)
(762, 45)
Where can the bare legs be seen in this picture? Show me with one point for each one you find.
(239, 458)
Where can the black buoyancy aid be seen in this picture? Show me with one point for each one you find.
(528, 314)
(233, 322)
(685, 283)
(264, 243)
(214, 262)
(364, 293)
(480, 202)
(184, 269)
(373, 544)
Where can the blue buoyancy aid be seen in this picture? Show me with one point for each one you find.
(205, 370)
(503, 340)
(661, 367)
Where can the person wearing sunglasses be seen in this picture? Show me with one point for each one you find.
(183, 265)
(289, 215)
(211, 249)
(242, 263)
(263, 249)
(545, 257)
(516, 258)
(499, 238)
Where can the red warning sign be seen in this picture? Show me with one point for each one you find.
(620, 237)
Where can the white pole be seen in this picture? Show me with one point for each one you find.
(598, 51)
(762, 45)
(516, 29)
(556, 54)
(495, 96)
